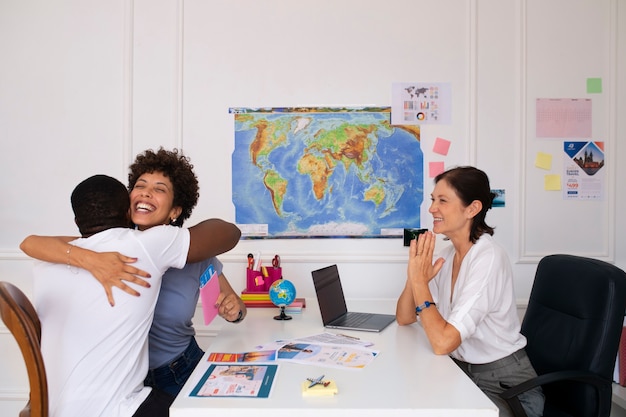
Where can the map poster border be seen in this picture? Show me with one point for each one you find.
(310, 109)
(260, 230)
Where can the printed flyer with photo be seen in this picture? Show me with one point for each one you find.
(584, 171)
(333, 356)
(236, 381)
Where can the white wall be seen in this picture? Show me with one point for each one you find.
(85, 85)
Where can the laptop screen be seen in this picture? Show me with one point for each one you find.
(329, 293)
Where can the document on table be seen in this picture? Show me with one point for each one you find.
(253, 356)
(346, 357)
(236, 381)
(321, 354)
(335, 339)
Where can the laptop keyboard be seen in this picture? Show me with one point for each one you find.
(355, 319)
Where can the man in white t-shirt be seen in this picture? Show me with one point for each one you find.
(96, 355)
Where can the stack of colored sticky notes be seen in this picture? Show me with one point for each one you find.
(295, 307)
(319, 390)
(262, 299)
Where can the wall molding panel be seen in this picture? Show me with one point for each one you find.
(543, 230)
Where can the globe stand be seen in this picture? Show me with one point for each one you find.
(282, 315)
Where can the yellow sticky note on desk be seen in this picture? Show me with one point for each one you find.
(319, 390)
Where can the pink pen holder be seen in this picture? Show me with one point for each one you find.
(260, 281)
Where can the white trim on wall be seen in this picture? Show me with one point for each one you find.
(522, 121)
(472, 83)
(10, 395)
(177, 123)
(612, 92)
(607, 251)
(127, 118)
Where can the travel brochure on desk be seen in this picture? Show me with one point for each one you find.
(306, 353)
(223, 380)
(235, 374)
(326, 349)
(326, 355)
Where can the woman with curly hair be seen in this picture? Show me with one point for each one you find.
(163, 190)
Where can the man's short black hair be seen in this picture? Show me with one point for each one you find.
(100, 202)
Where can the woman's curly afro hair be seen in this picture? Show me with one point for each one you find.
(175, 166)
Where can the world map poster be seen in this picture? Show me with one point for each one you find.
(325, 172)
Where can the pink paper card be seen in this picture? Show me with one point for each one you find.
(442, 146)
(435, 168)
(209, 292)
(563, 118)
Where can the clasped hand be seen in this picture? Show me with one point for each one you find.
(420, 268)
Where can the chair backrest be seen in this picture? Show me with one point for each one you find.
(573, 322)
(20, 317)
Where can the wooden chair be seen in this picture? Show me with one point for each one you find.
(20, 317)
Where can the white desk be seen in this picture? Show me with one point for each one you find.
(406, 379)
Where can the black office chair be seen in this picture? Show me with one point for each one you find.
(573, 325)
(20, 317)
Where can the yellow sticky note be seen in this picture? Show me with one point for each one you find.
(543, 160)
(552, 182)
(319, 390)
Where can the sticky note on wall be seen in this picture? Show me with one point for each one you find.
(594, 85)
(552, 182)
(435, 168)
(441, 146)
(543, 160)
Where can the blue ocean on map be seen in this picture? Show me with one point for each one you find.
(383, 191)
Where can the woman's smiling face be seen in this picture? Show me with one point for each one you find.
(450, 216)
(152, 200)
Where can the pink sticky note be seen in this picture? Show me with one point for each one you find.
(441, 146)
(435, 168)
(208, 296)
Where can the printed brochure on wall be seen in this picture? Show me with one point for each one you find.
(584, 171)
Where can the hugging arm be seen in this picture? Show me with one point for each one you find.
(211, 238)
(111, 269)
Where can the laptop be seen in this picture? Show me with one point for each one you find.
(335, 314)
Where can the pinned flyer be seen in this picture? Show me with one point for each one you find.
(209, 292)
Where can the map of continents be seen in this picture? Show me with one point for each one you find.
(326, 173)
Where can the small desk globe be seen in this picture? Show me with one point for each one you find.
(282, 293)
